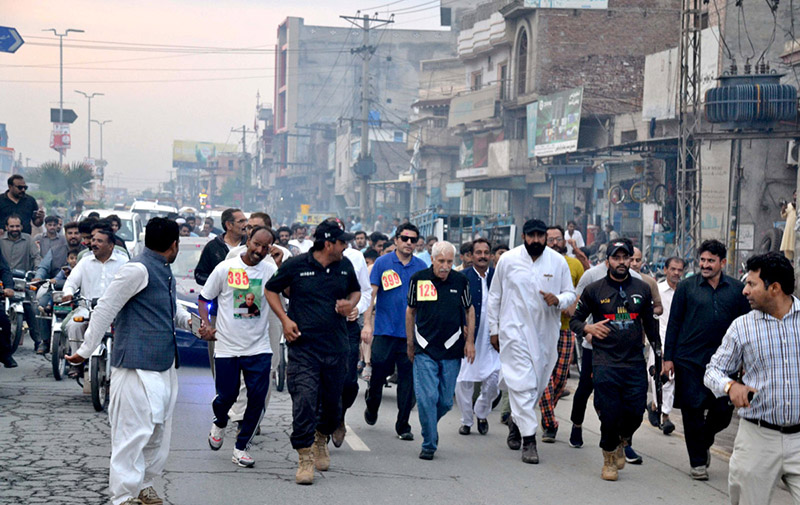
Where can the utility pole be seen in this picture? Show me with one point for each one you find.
(245, 162)
(89, 122)
(61, 79)
(102, 163)
(365, 166)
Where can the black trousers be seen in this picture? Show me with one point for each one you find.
(315, 382)
(350, 389)
(255, 370)
(700, 427)
(620, 397)
(585, 387)
(5, 336)
(388, 352)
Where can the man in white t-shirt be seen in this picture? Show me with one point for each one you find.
(574, 238)
(300, 241)
(242, 345)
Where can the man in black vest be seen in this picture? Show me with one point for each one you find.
(144, 383)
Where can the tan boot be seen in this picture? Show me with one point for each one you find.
(305, 467)
(619, 456)
(610, 471)
(322, 458)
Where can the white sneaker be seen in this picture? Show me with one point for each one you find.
(215, 437)
(242, 458)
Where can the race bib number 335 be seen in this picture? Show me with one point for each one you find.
(390, 280)
(426, 291)
(238, 279)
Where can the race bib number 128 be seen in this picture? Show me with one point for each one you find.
(238, 279)
(390, 280)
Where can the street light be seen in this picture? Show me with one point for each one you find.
(89, 123)
(61, 78)
(102, 160)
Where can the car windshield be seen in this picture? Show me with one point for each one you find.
(188, 256)
(125, 231)
(147, 214)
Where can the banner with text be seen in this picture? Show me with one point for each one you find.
(554, 123)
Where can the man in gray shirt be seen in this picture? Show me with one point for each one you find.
(19, 249)
(52, 240)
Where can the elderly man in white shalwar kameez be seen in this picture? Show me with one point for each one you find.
(531, 286)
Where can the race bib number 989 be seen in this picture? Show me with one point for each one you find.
(238, 279)
(390, 280)
(426, 291)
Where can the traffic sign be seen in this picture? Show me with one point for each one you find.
(69, 116)
(10, 40)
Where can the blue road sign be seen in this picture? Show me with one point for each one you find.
(10, 39)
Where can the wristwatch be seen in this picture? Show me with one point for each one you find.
(727, 388)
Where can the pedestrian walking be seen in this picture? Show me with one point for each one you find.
(703, 308)
(324, 289)
(531, 287)
(485, 368)
(566, 342)
(440, 321)
(385, 328)
(144, 384)
(766, 344)
(242, 341)
(622, 310)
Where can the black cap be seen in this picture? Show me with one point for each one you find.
(331, 231)
(534, 225)
(618, 245)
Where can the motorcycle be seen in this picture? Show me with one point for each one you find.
(59, 343)
(24, 293)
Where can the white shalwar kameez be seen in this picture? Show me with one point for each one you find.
(485, 369)
(527, 327)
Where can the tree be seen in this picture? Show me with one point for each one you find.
(70, 180)
(50, 177)
(77, 180)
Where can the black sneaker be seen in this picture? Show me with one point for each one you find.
(10, 362)
(529, 453)
(565, 393)
(407, 436)
(370, 418)
(483, 426)
(549, 435)
(667, 427)
(464, 430)
(504, 418)
(631, 456)
(514, 439)
(426, 454)
(576, 437)
(652, 415)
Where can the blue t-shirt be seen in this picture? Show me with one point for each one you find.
(392, 279)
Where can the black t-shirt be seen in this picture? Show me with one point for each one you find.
(313, 291)
(441, 313)
(24, 209)
(628, 307)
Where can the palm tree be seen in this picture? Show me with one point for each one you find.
(50, 177)
(77, 180)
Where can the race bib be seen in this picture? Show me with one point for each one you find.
(390, 280)
(426, 291)
(238, 279)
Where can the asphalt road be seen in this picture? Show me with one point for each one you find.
(55, 450)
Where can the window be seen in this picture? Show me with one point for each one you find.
(476, 81)
(502, 77)
(628, 136)
(522, 63)
(398, 136)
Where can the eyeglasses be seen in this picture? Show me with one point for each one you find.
(551, 240)
(23, 188)
(406, 238)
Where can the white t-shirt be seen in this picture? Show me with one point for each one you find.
(303, 246)
(242, 307)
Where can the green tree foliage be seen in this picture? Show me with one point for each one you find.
(71, 181)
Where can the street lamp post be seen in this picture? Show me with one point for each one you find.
(102, 160)
(61, 78)
(89, 122)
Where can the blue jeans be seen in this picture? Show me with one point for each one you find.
(434, 386)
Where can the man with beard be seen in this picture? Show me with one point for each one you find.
(284, 235)
(531, 287)
(300, 241)
(53, 261)
(622, 308)
(558, 379)
(702, 309)
(360, 243)
(324, 290)
(16, 201)
(22, 253)
(242, 346)
(91, 276)
(51, 238)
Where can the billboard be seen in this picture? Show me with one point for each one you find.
(567, 4)
(60, 139)
(554, 123)
(194, 154)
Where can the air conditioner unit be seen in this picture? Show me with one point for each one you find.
(792, 152)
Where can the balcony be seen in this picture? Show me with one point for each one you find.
(432, 132)
(504, 158)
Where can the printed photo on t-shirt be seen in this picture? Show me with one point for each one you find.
(247, 301)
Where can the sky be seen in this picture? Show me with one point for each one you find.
(155, 96)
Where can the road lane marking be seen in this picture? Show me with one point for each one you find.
(354, 442)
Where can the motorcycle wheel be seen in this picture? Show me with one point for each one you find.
(16, 329)
(281, 370)
(99, 382)
(59, 348)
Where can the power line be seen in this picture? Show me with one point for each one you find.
(144, 81)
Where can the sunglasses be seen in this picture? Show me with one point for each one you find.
(406, 238)
(23, 188)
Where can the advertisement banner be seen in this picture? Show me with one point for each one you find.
(475, 151)
(473, 106)
(556, 120)
(60, 139)
(567, 4)
(194, 154)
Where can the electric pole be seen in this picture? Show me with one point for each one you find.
(245, 162)
(61, 79)
(365, 167)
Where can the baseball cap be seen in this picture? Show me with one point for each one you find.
(618, 245)
(331, 231)
(534, 225)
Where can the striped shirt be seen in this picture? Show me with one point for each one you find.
(768, 350)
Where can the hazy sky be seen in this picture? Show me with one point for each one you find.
(153, 97)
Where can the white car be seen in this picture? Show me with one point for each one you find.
(131, 230)
(148, 209)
